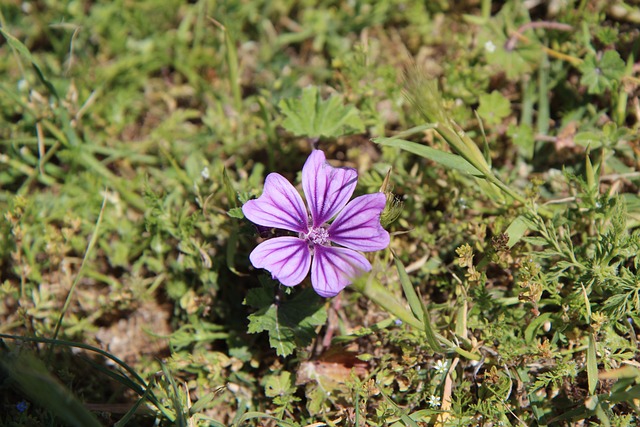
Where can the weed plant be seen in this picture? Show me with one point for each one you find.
(505, 135)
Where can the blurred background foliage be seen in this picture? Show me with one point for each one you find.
(130, 133)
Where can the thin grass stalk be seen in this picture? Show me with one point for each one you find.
(90, 246)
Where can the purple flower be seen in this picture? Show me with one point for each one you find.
(22, 406)
(355, 228)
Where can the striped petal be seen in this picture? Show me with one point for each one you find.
(358, 225)
(286, 258)
(334, 268)
(327, 189)
(279, 206)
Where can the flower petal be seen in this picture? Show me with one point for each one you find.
(326, 188)
(358, 225)
(279, 206)
(286, 258)
(334, 268)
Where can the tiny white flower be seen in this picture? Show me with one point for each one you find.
(434, 401)
(205, 173)
(490, 47)
(23, 85)
(441, 366)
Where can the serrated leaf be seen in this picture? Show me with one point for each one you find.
(235, 213)
(514, 62)
(278, 385)
(312, 116)
(290, 323)
(316, 398)
(494, 107)
(601, 74)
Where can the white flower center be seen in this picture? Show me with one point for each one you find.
(317, 236)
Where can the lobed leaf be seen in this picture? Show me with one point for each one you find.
(289, 323)
(601, 74)
(313, 117)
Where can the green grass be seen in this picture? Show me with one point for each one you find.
(131, 133)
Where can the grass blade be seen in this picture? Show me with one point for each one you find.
(117, 361)
(381, 296)
(40, 386)
(592, 365)
(92, 243)
(406, 419)
(258, 415)
(417, 306)
(174, 396)
(19, 47)
(409, 292)
(131, 412)
(448, 160)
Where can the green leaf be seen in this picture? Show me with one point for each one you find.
(516, 230)
(290, 322)
(417, 306)
(200, 332)
(409, 292)
(515, 62)
(537, 241)
(592, 365)
(589, 139)
(494, 107)
(236, 213)
(312, 116)
(279, 385)
(607, 35)
(24, 51)
(532, 329)
(522, 136)
(31, 376)
(316, 398)
(448, 160)
(232, 197)
(406, 419)
(254, 415)
(201, 404)
(174, 396)
(132, 411)
(601, 74)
